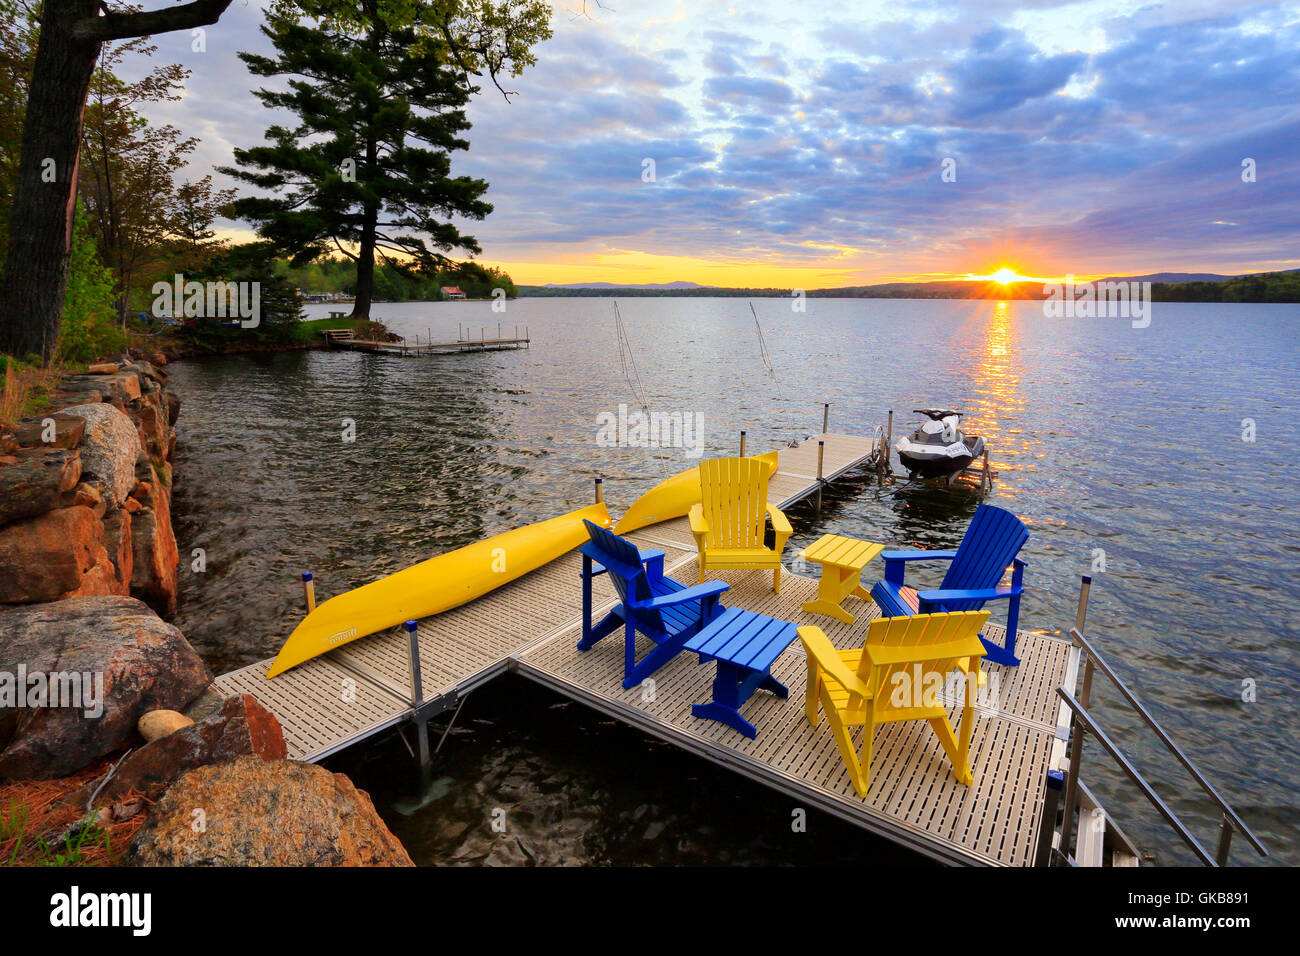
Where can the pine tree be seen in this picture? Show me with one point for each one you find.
(366, 169)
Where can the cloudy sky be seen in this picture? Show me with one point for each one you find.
(804, 145)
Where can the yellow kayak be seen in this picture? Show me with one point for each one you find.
(434, 586)
(672, 498)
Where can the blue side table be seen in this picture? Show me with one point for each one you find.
(745, 645)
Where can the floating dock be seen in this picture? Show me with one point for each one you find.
(532, 625)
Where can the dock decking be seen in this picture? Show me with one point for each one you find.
(531, 627)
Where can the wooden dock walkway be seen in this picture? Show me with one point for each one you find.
(531, 627)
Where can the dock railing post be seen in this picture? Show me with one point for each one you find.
(1051, 804)
(417, 698)
(600, 490)
(1076, 726)
(826, 417)
(309, 589)
(742, 443)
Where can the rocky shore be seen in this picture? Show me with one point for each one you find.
(92, 675)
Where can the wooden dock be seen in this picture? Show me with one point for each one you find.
(344, 339)
(531, 627)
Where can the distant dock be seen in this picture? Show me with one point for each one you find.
(465, 342)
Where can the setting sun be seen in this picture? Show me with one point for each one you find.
(1005, 275)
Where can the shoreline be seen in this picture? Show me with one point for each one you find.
(105, 707)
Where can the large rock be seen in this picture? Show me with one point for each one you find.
(241, 728)
(36, 482)
(150, 414)
(258, 812)
(145, 664)
(32, 432)
(50, 556)
(155, 557)
(108, 450)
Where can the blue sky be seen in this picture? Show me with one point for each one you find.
(803, 144)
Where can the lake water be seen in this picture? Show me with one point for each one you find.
(1112, 442)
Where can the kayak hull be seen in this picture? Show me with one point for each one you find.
(436, 585)
(673, 498)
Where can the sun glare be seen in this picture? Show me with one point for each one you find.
(1004, 275)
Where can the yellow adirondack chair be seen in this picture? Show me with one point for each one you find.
(895, 676)
(729, 522)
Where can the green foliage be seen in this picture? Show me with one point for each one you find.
(89, 327)
(392, 284)
(495, 38)
(378, 94)
(1265, 287)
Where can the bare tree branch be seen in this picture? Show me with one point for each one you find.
(122, 26)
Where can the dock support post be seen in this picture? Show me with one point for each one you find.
(988, 476)
(889, 433)
(742, 443)
(417, 698)
(1081, 613)
(821, 450)
(826, 417)
(309, 589)
(600, 490)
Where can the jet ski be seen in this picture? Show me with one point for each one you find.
(938, 449)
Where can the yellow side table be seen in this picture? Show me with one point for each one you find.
(842, 561)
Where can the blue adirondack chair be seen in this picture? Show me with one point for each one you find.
(667, 612)
(992, 542)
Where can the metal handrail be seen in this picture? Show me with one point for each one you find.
(1093, 660)
(1080, 715)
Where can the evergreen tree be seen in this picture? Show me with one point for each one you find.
(366, 170)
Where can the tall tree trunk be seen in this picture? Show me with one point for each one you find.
(40, 234)
(365, 268)
(40, 228)
(366, 254)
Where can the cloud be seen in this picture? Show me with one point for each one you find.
(1115, 136)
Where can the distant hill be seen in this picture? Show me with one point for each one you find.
(1166, 287)
(622, 285)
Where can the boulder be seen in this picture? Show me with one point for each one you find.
(118, 542)
(32, 432)
(155, 557)
(242, 727)
(36, 482)
(143, 663)
(258, 812)
(173, 407)
(108, 450)
(49, 556)
(160, 723)
(117, 388)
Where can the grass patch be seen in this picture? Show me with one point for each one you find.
(26, 388)
(44, 823)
